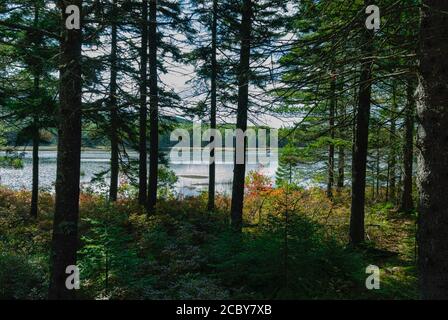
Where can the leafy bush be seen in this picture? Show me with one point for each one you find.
(21, 279)
(12, 159)
(197, 287)
(294, 247)
(295, 263)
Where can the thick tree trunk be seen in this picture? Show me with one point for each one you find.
(114, 140)
(407, 204)
(212, 167)
(332, 111)
(143, 153)
(154, 108)
(361, 141)
(432, 145)
(65, 225)
(239, 171)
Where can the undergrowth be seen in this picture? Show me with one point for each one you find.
(293, 246)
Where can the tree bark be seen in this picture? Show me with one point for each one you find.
(35, 186)
(212, 167)
(377, 166)
(65, 224)
(407, 204)
(332, 136)
(114, 140)
(239, 171)
(392, 142)
(36, 137)
(341, 151)
(143, 153)
(154, 108)
(361, 141)
(432, 177)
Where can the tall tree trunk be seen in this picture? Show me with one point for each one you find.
(332, 136)
(407, 204)
(341, 167)
(65, 224)
(154, 108)
(432, 145)
(361, 141)
(239, 171)
(341, 149)
(387, 184)
(377, 166)
(212, 167)
(143, 153)
(392, 143)
(35, 186)
(114, 159)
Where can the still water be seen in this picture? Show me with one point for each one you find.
(193, 178)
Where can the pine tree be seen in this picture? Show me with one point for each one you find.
(33, 52)
(154, 107)
(236, 211)
(288, 166)
(361, 139)
(65, 225)
(407, 203)
(114, 171)
(143, 154)
(433, 151)
(258, 30)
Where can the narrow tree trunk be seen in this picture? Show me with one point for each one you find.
(239, 170)
(373, 184)
(212, 167)
(407, 204)
(332, 136)
(387, 184)
(35, 186)
(114, 159)
(341, 167)
(341, 150)
(154, 108)
(392, 143)
(143, 154)
(377, 167)
(65, 224)
(361, 142)
(399, 186)
(432, 175)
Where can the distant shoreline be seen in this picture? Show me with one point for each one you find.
(107, 149)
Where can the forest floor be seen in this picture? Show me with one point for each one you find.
(293, 246)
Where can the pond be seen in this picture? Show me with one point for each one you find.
(193, 178)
